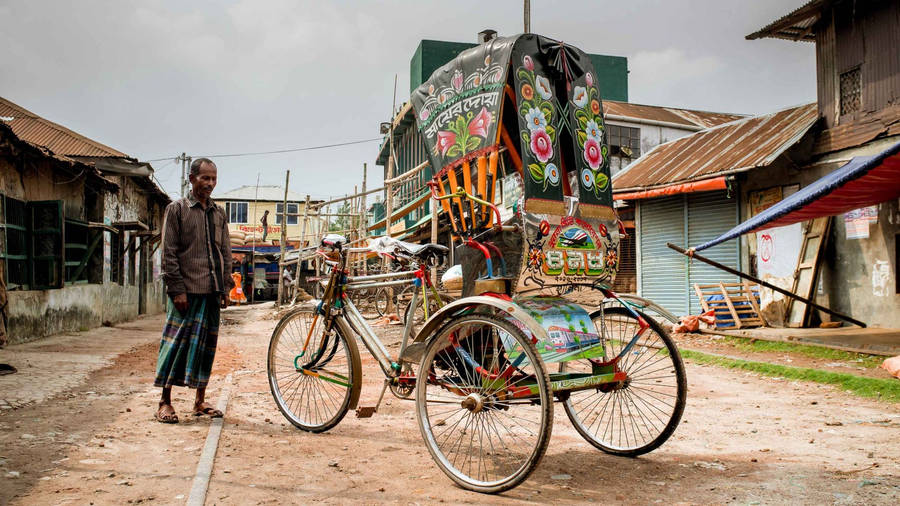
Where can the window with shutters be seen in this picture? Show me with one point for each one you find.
(40, 249)
(14, 247)
(292, 209)
(134, 248)
(83, 253)
(851, 91)
(45, 244)
(237, 212)
(115, 258)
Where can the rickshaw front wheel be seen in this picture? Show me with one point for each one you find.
(483, 403)
(313, 383)
(637, 415)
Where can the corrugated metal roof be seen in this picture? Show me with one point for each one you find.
(266, 194)
(798, 25)
(60, 140)
(676, 116)
(732, 147)
(91, 171)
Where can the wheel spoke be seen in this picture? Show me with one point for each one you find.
(310, 398)
(639, 414)
(487, 442)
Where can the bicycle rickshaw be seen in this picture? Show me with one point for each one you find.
(515, 133)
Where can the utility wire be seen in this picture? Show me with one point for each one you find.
(292, 150)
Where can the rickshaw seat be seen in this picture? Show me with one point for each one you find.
(334, 241)
(423, 251)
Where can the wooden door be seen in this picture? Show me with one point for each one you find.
(815, 233)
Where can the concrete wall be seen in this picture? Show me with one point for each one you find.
(861, 278)
(38, 313)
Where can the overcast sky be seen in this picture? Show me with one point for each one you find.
(155, 78)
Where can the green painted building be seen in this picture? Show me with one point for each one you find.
(612, 71)
(612, 76)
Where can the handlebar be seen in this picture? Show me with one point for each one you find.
(461, 192)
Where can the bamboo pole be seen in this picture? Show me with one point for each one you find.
(407, 175)
(778, 289)
(287, 180)
(341, 199)
(354, 220)
(364, 214)
(300, 249)
(253, 246)
(434, 232)
(389, 197)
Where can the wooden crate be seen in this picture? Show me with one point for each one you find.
(739, 306)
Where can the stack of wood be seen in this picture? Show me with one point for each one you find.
(735, 305)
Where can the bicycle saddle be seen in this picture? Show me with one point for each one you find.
(334, 241)
(422, 251)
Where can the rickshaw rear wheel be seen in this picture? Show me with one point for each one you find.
(638, 415)
(312, 389)
(486, 430)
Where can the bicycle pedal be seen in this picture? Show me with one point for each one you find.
(366, 411)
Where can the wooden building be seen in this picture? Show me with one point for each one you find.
(79, 229)
(768, 157)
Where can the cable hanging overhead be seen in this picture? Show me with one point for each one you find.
(291, 150)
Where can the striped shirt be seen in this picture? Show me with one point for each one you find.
(196, 254)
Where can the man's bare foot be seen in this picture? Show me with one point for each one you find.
(166, 413)
(205, 409)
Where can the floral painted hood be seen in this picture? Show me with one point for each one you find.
(534, 94)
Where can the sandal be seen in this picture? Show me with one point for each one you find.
(165, 417)
(206, 409)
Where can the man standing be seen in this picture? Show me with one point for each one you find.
(246, 275)
(265, 225)
(287, 282)
(197, 272)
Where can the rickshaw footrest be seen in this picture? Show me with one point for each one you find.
(366, 411)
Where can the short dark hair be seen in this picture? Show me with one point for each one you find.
(196, 164)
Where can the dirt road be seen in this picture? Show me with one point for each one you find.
(743, 439)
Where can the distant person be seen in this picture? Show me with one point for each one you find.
(246, 275)
(196, 269)
(236, 295)
(288, 281)
(265, 225)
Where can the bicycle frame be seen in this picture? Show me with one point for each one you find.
(350, 322)
(348, 317)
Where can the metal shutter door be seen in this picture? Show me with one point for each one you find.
(663, 271)
(710, 214)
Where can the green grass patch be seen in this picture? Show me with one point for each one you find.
(759, 346)
(883, 389)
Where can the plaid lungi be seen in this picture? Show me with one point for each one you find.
(188, 344)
